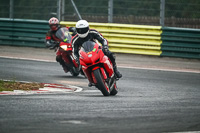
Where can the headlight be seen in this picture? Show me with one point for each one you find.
(64, 47)
(90, 55)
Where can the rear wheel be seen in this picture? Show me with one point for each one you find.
(101, 84)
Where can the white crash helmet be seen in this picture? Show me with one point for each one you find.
(82, 28)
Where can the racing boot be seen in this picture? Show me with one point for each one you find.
(117, 73)
(91, 84)
(112, 59)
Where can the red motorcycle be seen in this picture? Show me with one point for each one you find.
(65, 48)
(98, 68)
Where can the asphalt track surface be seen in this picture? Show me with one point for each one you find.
(156, 95)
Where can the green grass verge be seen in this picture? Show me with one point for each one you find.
(4, 85)
(14, 85)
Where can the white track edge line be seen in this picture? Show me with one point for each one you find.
(129, 67)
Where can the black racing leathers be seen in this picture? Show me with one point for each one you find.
(94, 35)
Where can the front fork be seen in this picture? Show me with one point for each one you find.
(69, 58)
(103, 73)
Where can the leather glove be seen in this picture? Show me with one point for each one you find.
(52, 44)
(105, 49)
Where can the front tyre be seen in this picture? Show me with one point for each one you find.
(101, 84)
(74, 71)
(114, 90)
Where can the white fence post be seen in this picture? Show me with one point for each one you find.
(11, 9)
(162, 12)
(110, 11)
(59, 9)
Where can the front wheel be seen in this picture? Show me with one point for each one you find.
(74, 71)
(101, 84)
(114, 90)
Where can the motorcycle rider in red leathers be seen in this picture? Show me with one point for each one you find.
(85, 34)
(52, 41)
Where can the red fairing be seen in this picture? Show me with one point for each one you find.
(87, 61)
(66, 52)
(107, 65)
(93, 60)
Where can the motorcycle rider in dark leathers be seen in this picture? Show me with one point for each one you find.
(52, 41)
(85, 34)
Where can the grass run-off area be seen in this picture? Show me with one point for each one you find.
(14, 85)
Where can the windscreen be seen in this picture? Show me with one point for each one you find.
(88, 46)
(64, 35)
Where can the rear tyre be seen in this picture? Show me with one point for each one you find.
(101, 84)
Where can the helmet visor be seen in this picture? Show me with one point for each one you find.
(82, 30)
(54, 26)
